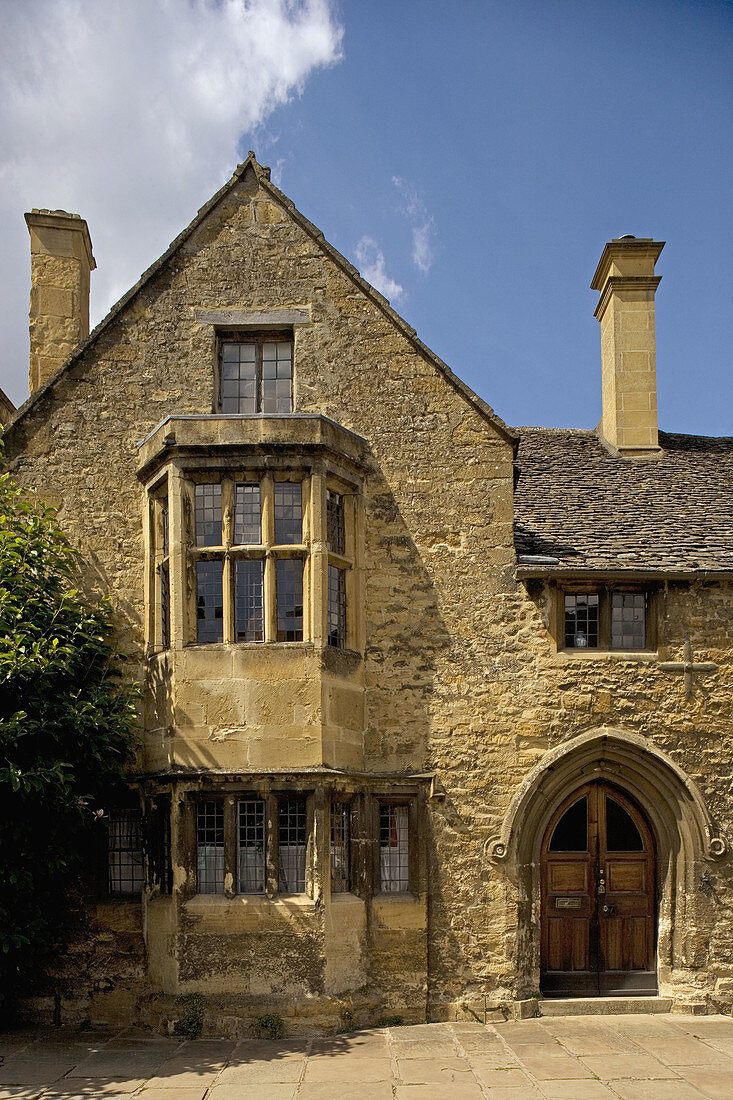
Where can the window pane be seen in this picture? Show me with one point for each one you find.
(164, 538)
(209, 602)
(210, 847)
(336, 607)
(335, 526)
(208, 515)
(394, 856)
(165, 604)
(622, 834)
(289, 584)
(276, 377)
(247, 514)
(251, 846)
(238, 391)
(292, 837)
(161, 868)
(628, 620)
(581, 621)
(125, 852)
(249, 619)
(571, 832)
(340, 847)
(288, 513)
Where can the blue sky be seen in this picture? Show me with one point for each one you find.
(471, 157)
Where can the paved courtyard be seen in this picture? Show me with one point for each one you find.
(649, 1057)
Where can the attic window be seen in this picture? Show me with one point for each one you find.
(607, 618)
(256, 373)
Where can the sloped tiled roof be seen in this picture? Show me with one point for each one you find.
(578, 504)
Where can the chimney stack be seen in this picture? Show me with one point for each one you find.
(627, 284)
(61, 261)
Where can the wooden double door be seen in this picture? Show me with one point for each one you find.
(598, 901)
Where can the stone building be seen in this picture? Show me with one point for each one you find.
(436, 712)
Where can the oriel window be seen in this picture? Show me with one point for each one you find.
(336, 607)
(289, 598)
(209, 601)
(256, 375)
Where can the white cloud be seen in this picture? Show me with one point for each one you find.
(131, 112)
(423, 225)
(370, 259)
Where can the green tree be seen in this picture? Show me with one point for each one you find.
(66, 731)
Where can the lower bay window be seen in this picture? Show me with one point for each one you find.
(394, 848)
(340, 847)
(125, 852)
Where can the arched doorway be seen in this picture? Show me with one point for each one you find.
(598, 897)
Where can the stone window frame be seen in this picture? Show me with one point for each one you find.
(228, 552)
(605, 591)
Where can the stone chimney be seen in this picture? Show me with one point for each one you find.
(61, 260)
(627, 284)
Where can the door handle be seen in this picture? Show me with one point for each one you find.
(608, 910)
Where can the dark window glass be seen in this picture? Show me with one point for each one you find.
(628, 620)
(394, 849)
(276, 376)
(292, 838)
(247, 514)
(165, 604)
(340, 847)
(164, 530)
(210, 847)
(208, 515)
(289, 584)
(161, 869)
(251, 846)
(125, 852)
(249, 621)
(622, 834)
(209, 602)
(288, 513)
(336, 607)
(239, 384)
(335, 526)
(256, 376)
(581, 621)
(571, 832)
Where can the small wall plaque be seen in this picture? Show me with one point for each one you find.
(568, 903)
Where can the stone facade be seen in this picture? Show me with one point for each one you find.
(451, 694)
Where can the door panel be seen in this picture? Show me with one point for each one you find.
(598, 904)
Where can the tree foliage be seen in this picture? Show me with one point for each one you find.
(66, 729)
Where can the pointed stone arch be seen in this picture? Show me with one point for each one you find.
(686, 838)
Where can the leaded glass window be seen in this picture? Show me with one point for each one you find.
(394, 850)
(292, 845)
(340, 847)
(249, 612)
(289, 597)
(288, 513)
(256, 376)
(628, 620)
(581, 620)
(210, 847)
(335, 522)
(125, 850)
(336, 607)
(251, 846)
(208, 515)
(247, 513)
(209, 601)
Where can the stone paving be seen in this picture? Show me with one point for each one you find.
(584, 1057)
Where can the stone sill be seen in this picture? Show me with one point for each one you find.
(288, 902)
(640, 656)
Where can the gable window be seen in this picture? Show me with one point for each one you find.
(256, 374)
(606, 619)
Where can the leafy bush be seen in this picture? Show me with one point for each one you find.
(191, 1020)
(65, 730)
(269, 1026)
